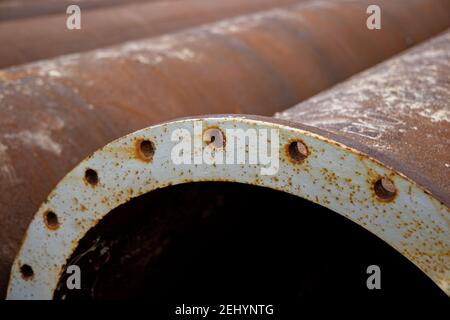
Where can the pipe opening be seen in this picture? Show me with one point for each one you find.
(218, 240)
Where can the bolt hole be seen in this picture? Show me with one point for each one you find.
(214, 137)
(298, 151)
(51, 220)
(27, 272)
(146, 150)
(91, 177)
(385, 189)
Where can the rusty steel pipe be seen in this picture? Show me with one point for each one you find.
(56, 112)
(360, 174)
(19, 9)
(46, 37)
(400, 110)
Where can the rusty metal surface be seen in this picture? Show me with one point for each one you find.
(54, 113)
(331, 174)
(351, 176)
(399, 109)
(45, 37)
(19, 9)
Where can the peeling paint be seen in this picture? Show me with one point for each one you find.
(41, 139)
(7, 170)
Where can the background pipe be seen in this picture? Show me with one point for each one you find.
(56, 112)
(19, 9)
(399, 110)
(45, 37)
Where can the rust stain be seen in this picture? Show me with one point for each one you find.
(144, 149)
(91, 177)
(51, 220)
(296, 151)
(215, 136)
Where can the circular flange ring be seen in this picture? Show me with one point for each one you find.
(310, 165)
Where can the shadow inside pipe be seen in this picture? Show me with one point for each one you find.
(216, 240)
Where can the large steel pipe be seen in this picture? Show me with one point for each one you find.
(399, 109)
(54, 113)
(391, 180)
(19, 9)
(45, 37)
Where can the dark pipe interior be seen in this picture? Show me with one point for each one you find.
(234, 241)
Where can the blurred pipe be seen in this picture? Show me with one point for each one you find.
(46, 37)
(19, 9)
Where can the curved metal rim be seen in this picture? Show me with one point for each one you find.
(333, 175)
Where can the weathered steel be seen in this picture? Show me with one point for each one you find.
(19, 9)
(355, 175)
(45, 37)
(56, 112)
(399, 109)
